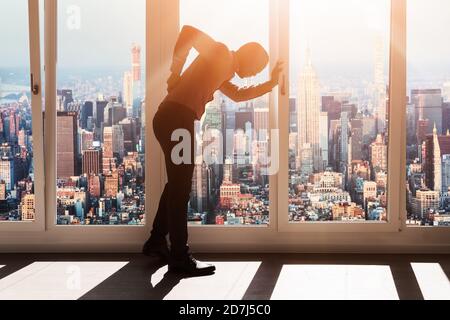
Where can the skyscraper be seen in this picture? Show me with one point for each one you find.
(436, 147)
(136, 62)
(67, 144)
(111, 185)
(378, 154)
(87, 140)
(379, 85)
(7, 172)
(28, 207)
(86, 111)
(128, 89)
(118, 140)
(199, 195)
(309, 115)
(356, 139)
(323, 130)
(92, 162)
(136, 70)
(100, 113)
(261, 123)
(293, 117)
(344, 138)
(429, 104)
(108, 142)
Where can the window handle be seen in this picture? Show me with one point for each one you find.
(34, 86)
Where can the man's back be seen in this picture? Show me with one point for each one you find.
(203, 78)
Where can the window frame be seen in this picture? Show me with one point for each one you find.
(121, 233)
(162, 29)
(37, 123)
(397, 81)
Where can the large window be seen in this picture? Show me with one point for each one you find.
(428, 113)
(231, 181)
(17, 196)
(322, 156)
(100, 120)
(338, 119)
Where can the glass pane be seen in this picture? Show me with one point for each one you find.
(428, 113)
(231, 185)
(101, 113)
(339, 57)
(17, 200)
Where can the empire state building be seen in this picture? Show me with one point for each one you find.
(309, 153)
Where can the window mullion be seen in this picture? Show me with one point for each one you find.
(397, 114)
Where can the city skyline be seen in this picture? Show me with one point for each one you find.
(338, 134)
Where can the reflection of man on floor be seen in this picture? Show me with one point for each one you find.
(188, 94)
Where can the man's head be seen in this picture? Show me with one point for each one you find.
(252, 59)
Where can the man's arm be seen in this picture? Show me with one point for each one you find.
(189, 38)
(244, 94)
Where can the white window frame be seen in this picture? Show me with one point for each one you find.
(397, 87)
(11, 227)
(162, 29)
(96, 235)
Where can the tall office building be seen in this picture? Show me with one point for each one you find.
(199, 195)
(65, 97)
(424, 201)
(92, 162)
(429, 107)
(129, 128)
(436, 147)
(309, 116)
(87, 140)
(136, 62)
(136, 70)
(356, 143)
(87, 110)
(128, 89)
(293, 117)
(67, 144)
(99, 112)
(344, 138)
(109, 161)
(108, 142)
(323, 130)
(2, 191)
(7, 172)
(28, 207)
(379, 85)
(378, 154)
(111, 185)
(118, 140)
(261, 123)
(243, 117)
(94, 186)
(445, 117)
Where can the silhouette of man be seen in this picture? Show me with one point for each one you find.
(188, 94)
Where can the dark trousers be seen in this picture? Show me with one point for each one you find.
(171, 217)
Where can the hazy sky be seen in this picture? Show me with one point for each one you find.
(339, 32)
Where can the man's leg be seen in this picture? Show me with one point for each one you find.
(161, 224)
(179, 186)
(156, 246)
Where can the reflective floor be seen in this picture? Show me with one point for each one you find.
(238, 276)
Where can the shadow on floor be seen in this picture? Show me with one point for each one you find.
(135, 281)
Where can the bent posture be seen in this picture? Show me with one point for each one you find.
(188, 94)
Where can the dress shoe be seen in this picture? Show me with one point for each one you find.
(191, 267)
